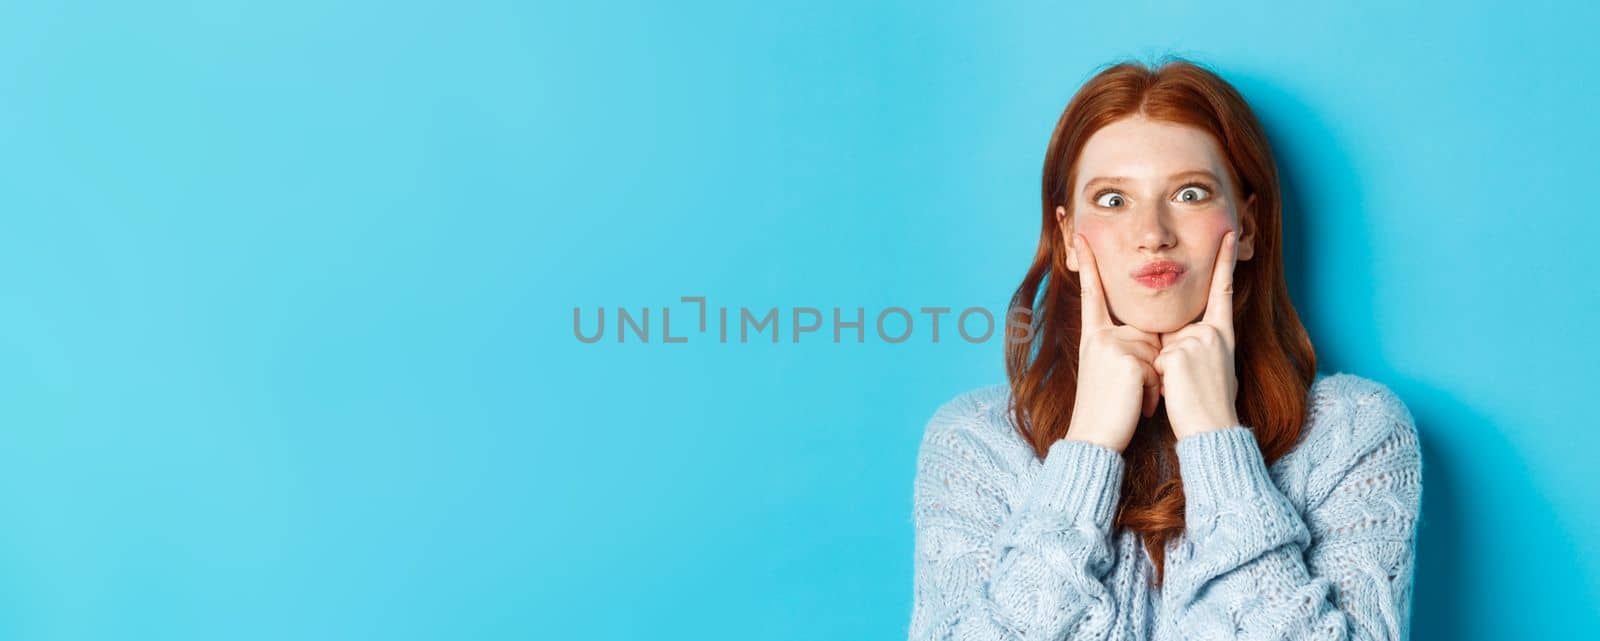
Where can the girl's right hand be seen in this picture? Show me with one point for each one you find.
(1116, 380)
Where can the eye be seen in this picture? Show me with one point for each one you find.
(1194, 192)
(1108, 199)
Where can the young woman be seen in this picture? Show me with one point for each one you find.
(1165, 462)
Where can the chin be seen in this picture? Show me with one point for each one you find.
(1158, 327)
(1158, 323)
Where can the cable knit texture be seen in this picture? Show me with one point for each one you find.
(1319, 545)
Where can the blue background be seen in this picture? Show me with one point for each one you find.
(286, 313)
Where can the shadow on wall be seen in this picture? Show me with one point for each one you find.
(1493, 561)
(1322, 199)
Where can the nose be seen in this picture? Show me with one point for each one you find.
(1152, 228)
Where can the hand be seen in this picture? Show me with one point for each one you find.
(1116, 374)
(1196, 362)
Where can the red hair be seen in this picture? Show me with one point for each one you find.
(1274, 360)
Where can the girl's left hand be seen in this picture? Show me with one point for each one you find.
(1196, 362)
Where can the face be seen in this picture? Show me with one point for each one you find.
(1149, 191)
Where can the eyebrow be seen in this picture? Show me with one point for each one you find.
(1117, 180)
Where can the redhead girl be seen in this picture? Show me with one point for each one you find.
(1165, 461)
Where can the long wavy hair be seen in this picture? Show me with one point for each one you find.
(1274, 360)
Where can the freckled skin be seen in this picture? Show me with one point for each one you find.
(1153, 216)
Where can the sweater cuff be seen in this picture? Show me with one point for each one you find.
(1221, 465)
(1080, 480)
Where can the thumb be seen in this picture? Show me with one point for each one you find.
(1152, 389)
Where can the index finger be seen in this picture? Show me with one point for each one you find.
(1095, 314)
(1219, 308)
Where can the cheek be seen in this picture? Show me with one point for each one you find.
(1203, 234)
(1103, 244)
(1099, 234)
(1218, 223)
(1092, 226)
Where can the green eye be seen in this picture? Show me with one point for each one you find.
(1115, 199)
(1203, 192)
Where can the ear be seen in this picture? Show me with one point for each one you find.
(1065, 224)
(1247, 219)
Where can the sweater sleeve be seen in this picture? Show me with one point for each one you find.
(1255, 569)
(986, 569)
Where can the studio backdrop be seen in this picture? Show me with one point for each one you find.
(498, 320)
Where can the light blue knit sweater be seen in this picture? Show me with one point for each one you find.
(1318, 546)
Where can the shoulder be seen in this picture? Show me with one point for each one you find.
(1354, 420)
(1355, 409)
(982, 411)
(972, 408)
(975, 427)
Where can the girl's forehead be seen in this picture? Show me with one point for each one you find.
(1136, 140)
(1146, 150)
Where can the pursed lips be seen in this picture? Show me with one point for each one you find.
(1158, 274)
(1157, 267)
